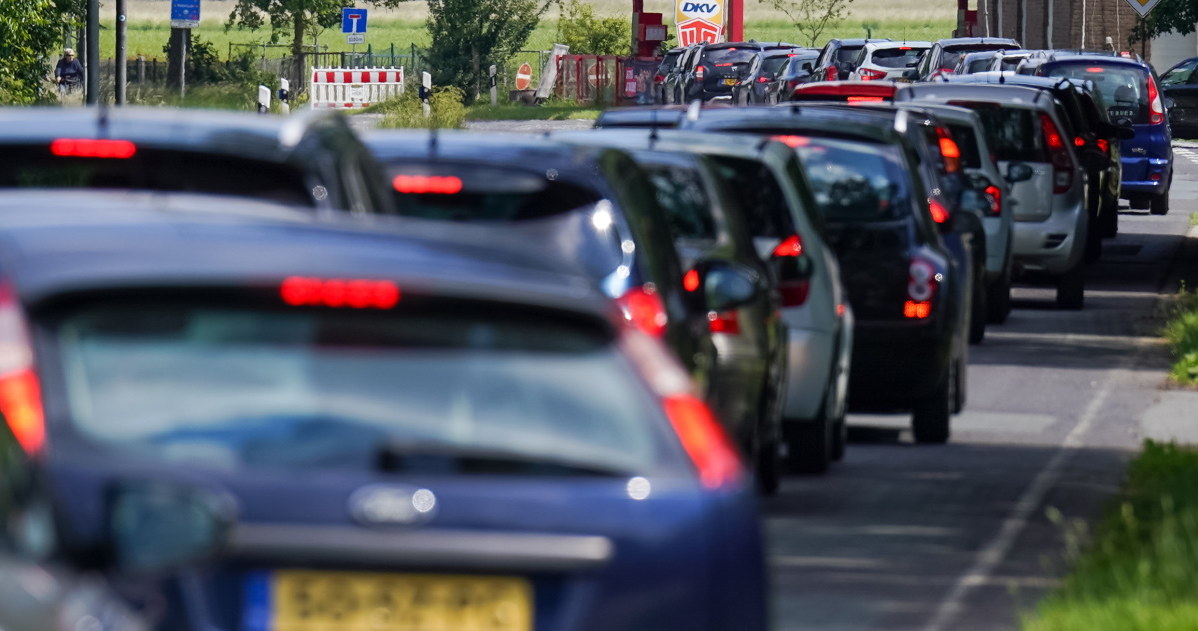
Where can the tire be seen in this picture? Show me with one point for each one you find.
(930, 418)
(1159, 205)
(809, 445)
(1110, 216)
(998, 300)
(768, 465)
(840, 440)
(978, 313)
(960, 385)
(1071, 288)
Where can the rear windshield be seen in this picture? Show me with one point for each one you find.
(967, 142)
(733, 55)
(157, 170)
(979, 65)
(1124, 89)
(857, 181)
(476, 388)
(761, 196)
(848, 54)
(681, 194)
(950, 56)
(668, 63)
(771, 65)
(896, 57)
(1011, 133)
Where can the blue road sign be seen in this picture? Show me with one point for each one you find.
(353, 20)
(185, 13)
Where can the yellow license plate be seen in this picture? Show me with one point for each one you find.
(306, 600)
(729, 81)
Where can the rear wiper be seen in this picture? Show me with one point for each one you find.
(423, 457)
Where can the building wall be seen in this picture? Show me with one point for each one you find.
(1170, 49)
(1058, 23)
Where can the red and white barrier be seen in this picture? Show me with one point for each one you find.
(350, 88)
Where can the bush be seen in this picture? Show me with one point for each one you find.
(1182, 334)
(446, 105)
(585, 34)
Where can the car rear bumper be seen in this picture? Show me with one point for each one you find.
(896, 364)
(1147, 169)
(1052, 246)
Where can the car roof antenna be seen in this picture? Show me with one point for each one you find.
(102, 121)
(432, 141)
(652, 128)
(692, 111)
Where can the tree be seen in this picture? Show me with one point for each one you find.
(1170, 16)
(30, 32)
(296, 17)
(812, 17)
(469, 35)
(585, 34)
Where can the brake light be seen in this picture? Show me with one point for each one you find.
(92, 148)
(1079, 142)
(790, 246)
(644, 309)
(704, 440)
(20, 389)
(904, 48)
(302, 291)
(691, 280)
(763, 79)
(1156, 109)
(792, 141)
(949, 151)
(699, 72)
(727, 322)
(792, 288)
(425, 184)
(1062, 165)
(938, 211)
(659, 78)
(922, 281)
(1095, 69)
(994, 194)
(728, 65)
(831, 74)
(1104, 145)
(868, 74)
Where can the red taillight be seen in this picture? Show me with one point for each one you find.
(1079, 142)
(92, 148)
(1095, 69)
(1105, 146)
(939, 212)
(790, 246)
(728, 65)
(1156, 109)
(831, 74)
(644, 309)
(763, 79)
(423, 184)
(20, 390)
(868, 74)
(726, 322)
(921, 287)
(793, 291)
(994, 194)
(659, 78)
(704, 440)
(949, 151)
(691, 280)
(301, 291)
(699, 72)
(792, 141)
(865, 99)
(1062, 165)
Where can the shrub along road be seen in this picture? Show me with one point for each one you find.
(968, 535)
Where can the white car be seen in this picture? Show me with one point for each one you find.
(888, 60)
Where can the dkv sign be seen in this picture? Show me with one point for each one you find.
(699, 21)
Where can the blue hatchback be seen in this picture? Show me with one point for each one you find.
(405, 426)
(1133, 98)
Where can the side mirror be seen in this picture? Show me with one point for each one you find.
(1019, 172)
(157, 526)
(729, 286)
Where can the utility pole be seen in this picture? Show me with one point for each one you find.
(121, 53)
(92, 68)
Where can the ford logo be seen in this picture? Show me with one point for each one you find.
(386, 505)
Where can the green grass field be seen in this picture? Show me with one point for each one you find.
(147, 37)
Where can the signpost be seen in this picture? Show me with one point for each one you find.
(353, 24)
(699, 21)
(185, 13)
(523, 76)
(1143, 6)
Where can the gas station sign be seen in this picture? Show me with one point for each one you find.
(699, 21)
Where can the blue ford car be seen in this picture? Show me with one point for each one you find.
(361, 425)
(1132, 95)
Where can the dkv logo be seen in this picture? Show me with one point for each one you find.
(707, 10)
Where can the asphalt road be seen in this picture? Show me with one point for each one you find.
(902, 537)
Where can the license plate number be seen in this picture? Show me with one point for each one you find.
(1121, 112)
(729, 81)
(303, 600)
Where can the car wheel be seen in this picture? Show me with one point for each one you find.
(1139, 202)
(960, 389)
(840, 439)
(768, 465)
(1159, 205)
(930, 418)
(998, 302)
(1071, 288)
(812, 445)
(977, 312)
(1110, 214)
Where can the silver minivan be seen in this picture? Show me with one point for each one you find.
(1047, 183)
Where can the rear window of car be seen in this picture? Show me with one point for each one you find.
(950, 56)
(736, 55)
(1012, 133)
(896, 57)
(856, 181)
(428, 386)
(848, 54)
(151, 169)
(1123, 88)
(668, 63)
(979, 65)
(771, 65)
(761, 196)
(681, 194)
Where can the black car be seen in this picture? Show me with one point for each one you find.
(798, 70)
(758, 84)
(310, 159)
(943, 57)
(713, 69)
(1180, 85)
(874, 184)
(837, 60)
(668, 63)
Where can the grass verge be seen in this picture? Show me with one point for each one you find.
(1181, 331)
(555, 112)
(1141, 570)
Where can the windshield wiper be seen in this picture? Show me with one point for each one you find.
(422, 457)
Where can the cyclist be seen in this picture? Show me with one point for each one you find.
(68, 73)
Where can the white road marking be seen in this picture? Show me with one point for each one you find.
(993, 554)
